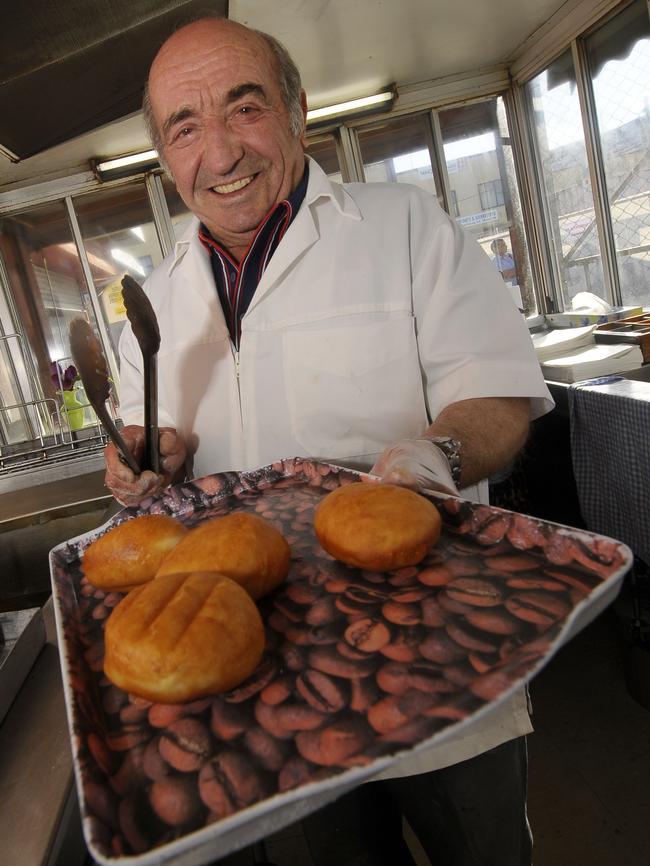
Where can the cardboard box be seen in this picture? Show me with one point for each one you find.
(634, 329)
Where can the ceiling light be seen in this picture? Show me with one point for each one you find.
(122, 166)
(377, 102)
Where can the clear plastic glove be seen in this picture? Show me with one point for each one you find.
(415, 463)
(130, 489)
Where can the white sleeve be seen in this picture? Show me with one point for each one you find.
(131, 394)
(472, 340)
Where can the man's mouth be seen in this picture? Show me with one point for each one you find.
(234, 186)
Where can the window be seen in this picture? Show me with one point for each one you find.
(178, 212)
(619, 63)
(616, 83)
(46, 282)
(399, 150)
(119, 236)
(44, 286)
(491, 194)
(565, 183)
(323, 149)
(484, 195)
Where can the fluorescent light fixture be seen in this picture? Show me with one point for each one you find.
(129, 161)
(378, 101)
(126, 165)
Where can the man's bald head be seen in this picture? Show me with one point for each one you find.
(228, 117)
(288, 76)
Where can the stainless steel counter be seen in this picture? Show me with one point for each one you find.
(35, 519)
(75, 476)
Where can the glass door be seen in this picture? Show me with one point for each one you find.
(119, 237)
(43, 275)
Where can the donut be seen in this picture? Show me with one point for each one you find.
(130, 554)
(243, 546)
(183, 636)
(377, 527)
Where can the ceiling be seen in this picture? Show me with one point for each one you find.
(70, 66)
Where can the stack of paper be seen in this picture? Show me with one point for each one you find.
(577, 318)
(562, 340)
(589, 362)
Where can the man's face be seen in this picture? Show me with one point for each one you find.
(224, 127)
(501, 247)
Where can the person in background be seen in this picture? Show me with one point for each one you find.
(351, 323)
(504, 261)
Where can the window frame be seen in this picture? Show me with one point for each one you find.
(552, 300)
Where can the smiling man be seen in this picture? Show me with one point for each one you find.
(354, 323)
(226, 133)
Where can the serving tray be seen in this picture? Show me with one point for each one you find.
(359, 668)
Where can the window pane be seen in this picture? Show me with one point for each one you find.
(398, 150)
(323, 150)
(49, 290)
(15, 417)
(566, 186)
(484, 194)
(619, 59)
(178, 212)
(120, 237)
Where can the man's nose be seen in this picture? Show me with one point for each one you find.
(222, 148)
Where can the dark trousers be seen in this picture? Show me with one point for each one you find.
(471, 814)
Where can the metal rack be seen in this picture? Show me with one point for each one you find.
(52, 445)
(53, 432)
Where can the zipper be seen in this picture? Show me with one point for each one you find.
(235, 355)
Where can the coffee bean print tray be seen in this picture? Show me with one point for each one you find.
(360, 667)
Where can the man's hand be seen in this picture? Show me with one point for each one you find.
(417, 464)
(491, 431)
(130, 489)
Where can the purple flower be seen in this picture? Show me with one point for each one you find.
(63, 380)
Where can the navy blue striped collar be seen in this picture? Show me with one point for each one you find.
(236, 282)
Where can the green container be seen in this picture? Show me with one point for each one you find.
(73, 410)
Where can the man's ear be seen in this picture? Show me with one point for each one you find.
(303, 105)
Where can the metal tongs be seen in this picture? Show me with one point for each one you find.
(145, 327)
(93, 369)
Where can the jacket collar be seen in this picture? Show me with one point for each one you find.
(319, 188)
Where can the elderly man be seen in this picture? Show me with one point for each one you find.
(351, 323)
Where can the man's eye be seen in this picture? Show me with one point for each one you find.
(181, 134)
(247, 110)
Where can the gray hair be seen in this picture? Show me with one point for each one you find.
(288, 81)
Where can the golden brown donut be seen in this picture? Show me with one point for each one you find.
(242, 546)
(377, 527)
(130, 554)
(183, 636)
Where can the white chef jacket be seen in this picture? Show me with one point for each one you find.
(375, 313)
